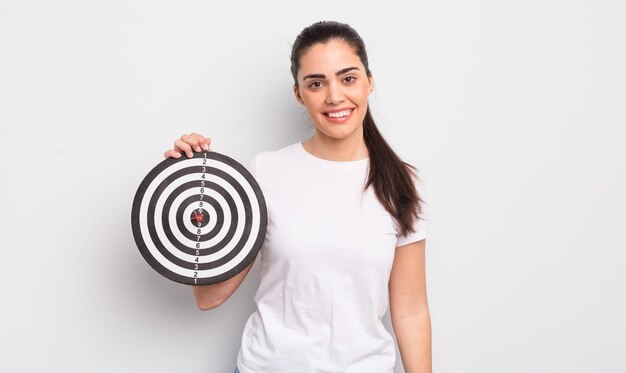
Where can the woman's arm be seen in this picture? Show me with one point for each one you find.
(212, 296)
(410, 316)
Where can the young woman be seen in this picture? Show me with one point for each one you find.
(345, 238)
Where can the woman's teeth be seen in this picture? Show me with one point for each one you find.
(340, 114)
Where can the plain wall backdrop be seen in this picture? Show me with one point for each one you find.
(513, 111)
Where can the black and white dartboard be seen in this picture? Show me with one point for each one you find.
(200, 220)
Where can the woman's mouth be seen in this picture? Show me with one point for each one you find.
(339, 116)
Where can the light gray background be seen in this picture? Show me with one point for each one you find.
(514, 111)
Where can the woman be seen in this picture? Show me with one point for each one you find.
(344, 233)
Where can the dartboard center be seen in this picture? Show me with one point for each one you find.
(199, 218)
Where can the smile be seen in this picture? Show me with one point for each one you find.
(339, 116)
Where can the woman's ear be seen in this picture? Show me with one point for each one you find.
(371, 81)
(296, 92)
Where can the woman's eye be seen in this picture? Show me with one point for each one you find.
(315, 85)
(349, 79)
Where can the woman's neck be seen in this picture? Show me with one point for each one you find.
(349, 149)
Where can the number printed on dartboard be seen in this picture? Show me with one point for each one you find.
(201, 205)
(199, 220)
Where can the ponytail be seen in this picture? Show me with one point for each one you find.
(394, 180)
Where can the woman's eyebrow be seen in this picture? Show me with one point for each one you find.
(314, 76)
(322, 76)
(343, 71)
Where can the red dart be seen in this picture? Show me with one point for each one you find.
(197, 217)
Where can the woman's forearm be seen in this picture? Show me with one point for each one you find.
(413, 334)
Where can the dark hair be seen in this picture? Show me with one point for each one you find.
(394, 180)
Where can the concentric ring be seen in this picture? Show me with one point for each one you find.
(200, 220)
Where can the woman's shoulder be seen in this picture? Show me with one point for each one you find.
(281, 154)
(269, 159)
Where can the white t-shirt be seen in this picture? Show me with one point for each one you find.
(325, 268)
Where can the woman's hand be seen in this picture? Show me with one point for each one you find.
(188, 144)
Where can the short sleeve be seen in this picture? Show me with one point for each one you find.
(419, 225)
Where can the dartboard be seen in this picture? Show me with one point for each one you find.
(199, 220)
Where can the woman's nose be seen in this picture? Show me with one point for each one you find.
(334, 94)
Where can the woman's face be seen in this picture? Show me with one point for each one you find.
(333, 85)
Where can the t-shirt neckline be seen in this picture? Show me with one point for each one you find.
(305, 155)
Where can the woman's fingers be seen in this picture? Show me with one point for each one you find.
(172, 153)
(204, 142)
(188, 144)
(183, 146)
(197, 141)
(193, 141)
